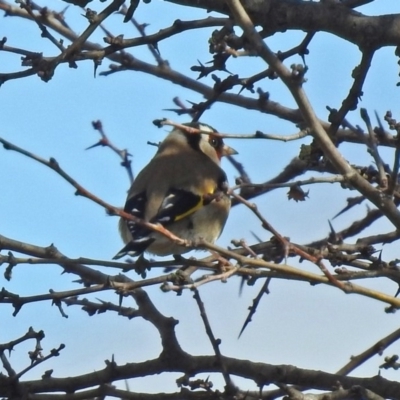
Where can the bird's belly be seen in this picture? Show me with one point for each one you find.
(206, 223)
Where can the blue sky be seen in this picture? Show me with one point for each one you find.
(311, 327)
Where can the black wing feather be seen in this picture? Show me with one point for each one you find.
(177, 204)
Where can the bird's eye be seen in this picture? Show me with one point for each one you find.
(214, 142)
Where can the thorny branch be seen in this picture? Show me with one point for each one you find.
(105, 141)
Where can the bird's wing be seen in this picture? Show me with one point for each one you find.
(176, 205)
(136, 206)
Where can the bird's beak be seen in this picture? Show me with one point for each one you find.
(228, 151)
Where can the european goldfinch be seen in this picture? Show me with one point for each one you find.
(182, 188)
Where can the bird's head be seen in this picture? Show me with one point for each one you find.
(208, 141)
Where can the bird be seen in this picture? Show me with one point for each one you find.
(183, 188)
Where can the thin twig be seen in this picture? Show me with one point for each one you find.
(377, 348)
(214, 342)
(264, 290)
(122, 153)
(45, 32)
(373, 150)
(355, 92)
(53, 353)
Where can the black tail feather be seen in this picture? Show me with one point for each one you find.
(134, 248)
